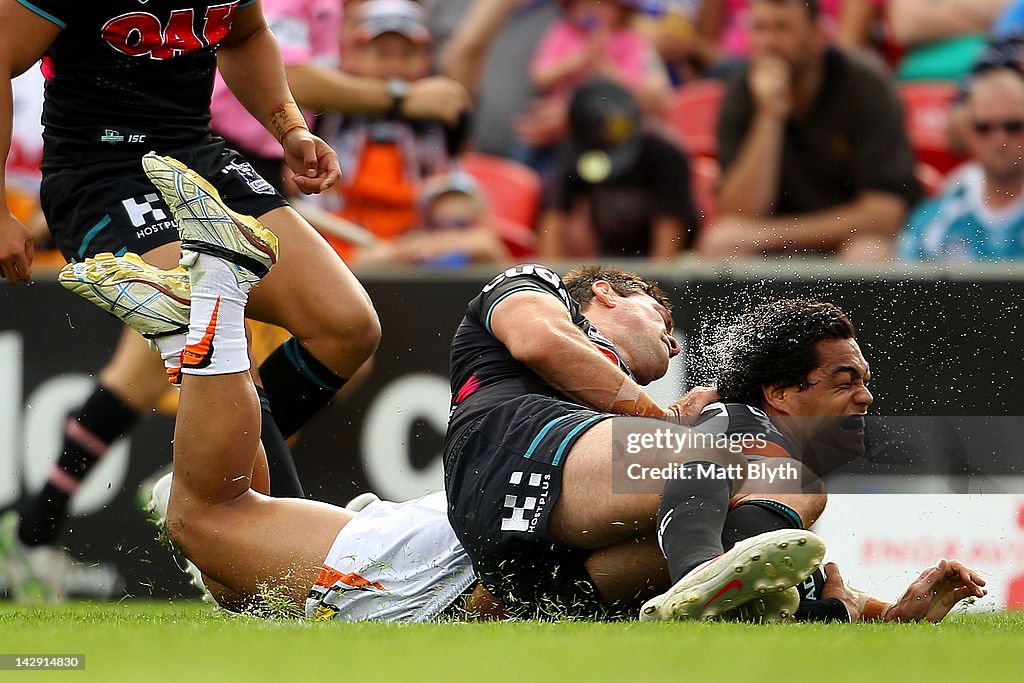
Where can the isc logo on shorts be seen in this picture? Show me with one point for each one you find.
(536, 490)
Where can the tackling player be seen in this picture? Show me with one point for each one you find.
(124, 79)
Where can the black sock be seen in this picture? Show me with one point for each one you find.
(691, 518)
(284, 479)
(88, 434)
(297, 384)
(757, 517)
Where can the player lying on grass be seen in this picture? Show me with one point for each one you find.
(547, 377)
(390, 561)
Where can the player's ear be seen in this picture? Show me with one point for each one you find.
(603, 293)
(775, 396)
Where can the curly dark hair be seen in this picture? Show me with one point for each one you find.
(775, 344)
(578, 282)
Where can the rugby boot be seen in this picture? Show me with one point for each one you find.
(206, 224)
(153, 302)
(755, 567)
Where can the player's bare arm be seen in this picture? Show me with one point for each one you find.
(250, 61)
(538, 333)
(930, 597)
(24, 37)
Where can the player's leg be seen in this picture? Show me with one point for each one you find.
(311, 292)
(240, 538)
(588, 514)
(334, 324)
(628, 573)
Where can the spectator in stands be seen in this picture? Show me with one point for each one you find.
(942, 39)
(386, 157)
(980, 213)
(812, 145)
(723, 29)
(594, 38)
(621, 191)
(308, 33)
(487, 46)
(456, 228)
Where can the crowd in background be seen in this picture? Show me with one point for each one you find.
(864, 130)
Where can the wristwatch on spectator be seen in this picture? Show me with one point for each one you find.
(397, 89)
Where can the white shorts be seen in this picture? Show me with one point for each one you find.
(393, 562)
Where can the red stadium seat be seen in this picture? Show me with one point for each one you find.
(926, 109)
(693, 116)
(512, 189)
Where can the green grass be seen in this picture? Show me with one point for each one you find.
(149, 641)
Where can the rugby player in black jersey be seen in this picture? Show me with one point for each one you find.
(126, 78)
(539, 367)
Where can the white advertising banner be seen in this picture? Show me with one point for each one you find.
(882, 542)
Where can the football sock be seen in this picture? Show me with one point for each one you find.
(755, 517)
(691, 518)
(88, 435)
(297, 384)
(284, 479)
(216, 342)
(170, 348)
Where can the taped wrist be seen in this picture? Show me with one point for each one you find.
(875, 609)
(632, 400)
(286, 118)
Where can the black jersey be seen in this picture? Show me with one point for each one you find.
(483, 372)
(740, 419)
(128, 76)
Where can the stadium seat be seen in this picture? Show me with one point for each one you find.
(693, 116)
(512, 189)
(926, 109)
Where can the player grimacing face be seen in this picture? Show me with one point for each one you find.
(837, 387)
(644, 337)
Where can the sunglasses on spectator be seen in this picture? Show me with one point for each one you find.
(1011, 127)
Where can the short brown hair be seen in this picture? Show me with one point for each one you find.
(579, 283)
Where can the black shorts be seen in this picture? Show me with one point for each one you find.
(112, 206)
(503, 475)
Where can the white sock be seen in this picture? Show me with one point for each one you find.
(216, 343)
(170, 348)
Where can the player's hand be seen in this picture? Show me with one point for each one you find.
(17, 249)
(771, 84)
(694, 401)
(313, 162)
(436, 98)
(933, 594)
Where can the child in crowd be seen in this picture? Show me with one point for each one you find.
(456, 228)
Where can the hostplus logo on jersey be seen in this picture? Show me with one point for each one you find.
(528, 497)
(141, 34)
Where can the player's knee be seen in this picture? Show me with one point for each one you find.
(355, 330)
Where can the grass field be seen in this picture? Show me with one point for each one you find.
(149, 641)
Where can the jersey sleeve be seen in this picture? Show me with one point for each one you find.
(748, 427)
(55, 11)
(522, 278)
